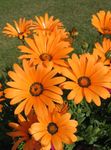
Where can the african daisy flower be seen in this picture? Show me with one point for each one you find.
(21, 29)
(103, 51)
(35, 88)
(21, 133)
(53, 129)
(102, 22)
(46, 50)
(89, 79)
(47, 24)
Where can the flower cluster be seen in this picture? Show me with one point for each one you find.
(37, 87)
(43, 118)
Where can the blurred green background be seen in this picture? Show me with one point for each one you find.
(73, 13)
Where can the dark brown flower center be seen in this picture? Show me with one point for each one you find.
(52, 128)
(45, 57)
(108, 54)
(36, 89)
(84, 81)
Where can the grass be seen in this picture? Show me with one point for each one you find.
(75, 13)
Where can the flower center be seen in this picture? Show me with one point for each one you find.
(52, 128)
(45, 57)
(84, 81)
(108, 54)
(36, 89)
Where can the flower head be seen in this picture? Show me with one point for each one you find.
(21, 29)
(102, 22)
(46, 49)
(53, 129)
(21, 132)
(35, 88)
(89, 79)
(47, 25)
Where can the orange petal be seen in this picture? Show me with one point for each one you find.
(56, 141)
(36, 127)
(38, 135)
(20, 107)
(57, 98)
(67, 73)
(95, 98)
(28, 106)
(46, 139)
(100, 91)
(55, 89)
(79, 96)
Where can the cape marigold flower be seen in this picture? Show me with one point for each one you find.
(46, 50)
(53, 129)
(103, 51)
(102, 22)
(47, 25)
(21, 30)
(21, 132)
(34, 88)
(89, 79)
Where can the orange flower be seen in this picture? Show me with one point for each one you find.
(53, 129)
(21, 30)
(103, 51)
(48, 24)
(34, 88)
(21, 133)
(102, 22)
(89, 79)
(46, 50)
